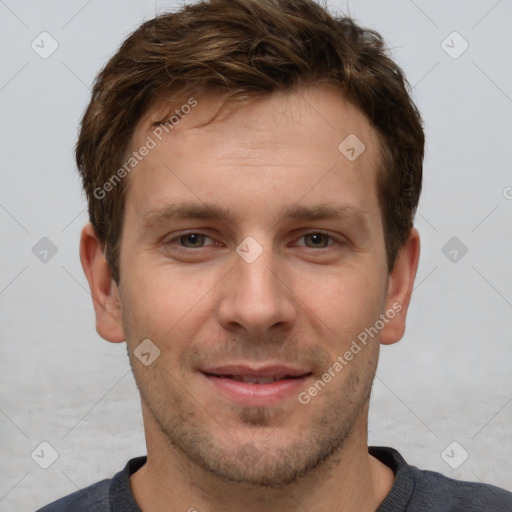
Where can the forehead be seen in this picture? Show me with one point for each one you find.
(277, 151)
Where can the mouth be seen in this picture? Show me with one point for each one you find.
(249, 386)
(256, 380)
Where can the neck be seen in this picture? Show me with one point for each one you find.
(350, 480)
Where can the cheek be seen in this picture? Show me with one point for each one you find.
(162, 300)
(346, 301)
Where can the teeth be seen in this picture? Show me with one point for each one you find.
(255, 380)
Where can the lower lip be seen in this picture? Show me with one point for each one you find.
(252, 394)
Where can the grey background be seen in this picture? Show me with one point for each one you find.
(448, 380)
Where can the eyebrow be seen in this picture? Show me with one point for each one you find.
(179, 211)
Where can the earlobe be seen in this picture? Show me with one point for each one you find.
(104, 291)
(400, 286)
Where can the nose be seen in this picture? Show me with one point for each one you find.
(255, 297)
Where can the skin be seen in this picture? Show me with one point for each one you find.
(302, 302)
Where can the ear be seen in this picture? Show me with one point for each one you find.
(104, 291)
(400, 286)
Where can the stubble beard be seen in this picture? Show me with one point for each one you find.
(258, 462)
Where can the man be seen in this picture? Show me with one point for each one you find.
(252, 170)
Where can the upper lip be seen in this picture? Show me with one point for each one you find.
(245, 370)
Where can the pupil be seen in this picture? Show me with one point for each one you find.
(316, 239)
(192, 238)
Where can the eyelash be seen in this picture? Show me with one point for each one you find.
(171, 242)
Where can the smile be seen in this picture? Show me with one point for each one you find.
(253, 387)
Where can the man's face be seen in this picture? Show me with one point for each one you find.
(289, 301)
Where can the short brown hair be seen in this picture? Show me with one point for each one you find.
(250, 48)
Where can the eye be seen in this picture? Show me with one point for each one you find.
(192, 240)
(195, 240)
(318, 240)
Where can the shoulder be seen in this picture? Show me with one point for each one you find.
(104, 496)
(447, 494)
(419, 490)
(90, 499)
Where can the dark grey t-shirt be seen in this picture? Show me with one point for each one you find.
(414, 490)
